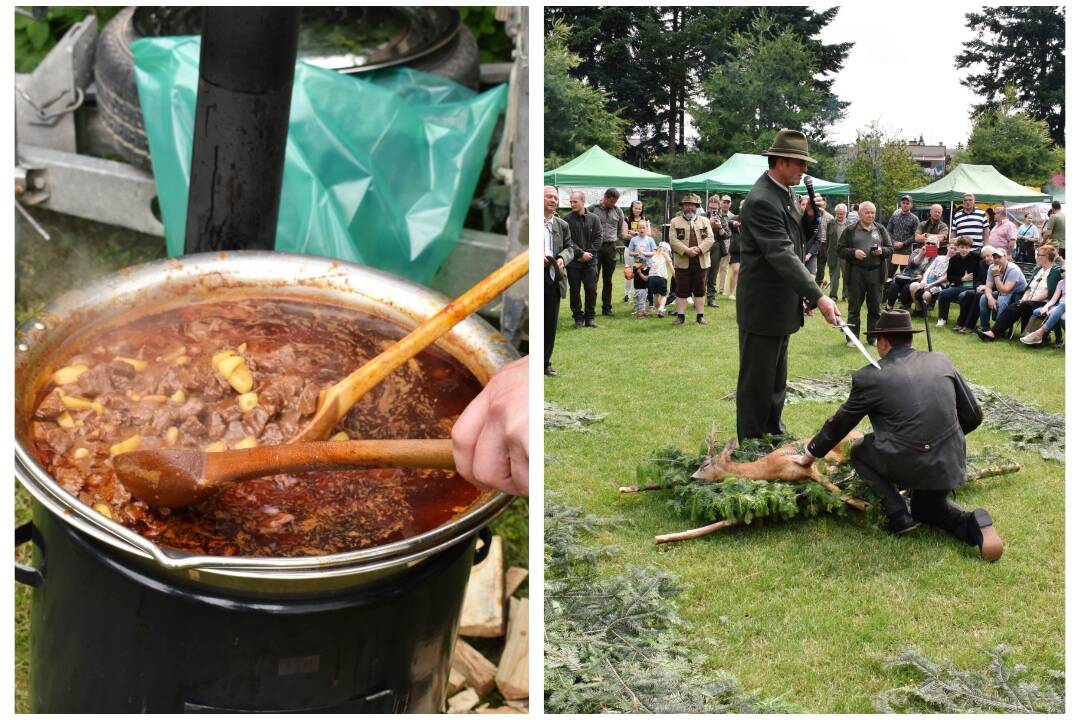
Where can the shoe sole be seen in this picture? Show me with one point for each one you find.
(906, 530)
(992, 546)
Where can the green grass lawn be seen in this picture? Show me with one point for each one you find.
(805, 610)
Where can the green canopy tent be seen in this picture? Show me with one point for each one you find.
(982, 181)
(738, 174)
(596, 168)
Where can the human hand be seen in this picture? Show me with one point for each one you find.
(547, 261)
(859, 254)
(829, 310)
(991, 303)
(897, 245)
(491, 438)
(803, 460)
(560, 262)
(966, 277)
(586, 256)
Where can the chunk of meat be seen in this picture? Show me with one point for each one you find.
(58, 438)
(256, 420)
(191, 428)
(271, 435)
(234, 433)
(308, 402)
(96, 381)
(51, 407)
(215, 426)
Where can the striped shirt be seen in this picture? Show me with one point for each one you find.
(970, 224)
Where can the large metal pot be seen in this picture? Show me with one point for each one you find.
(159, 285)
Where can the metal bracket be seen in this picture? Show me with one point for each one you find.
(46, 99)
(103, 190)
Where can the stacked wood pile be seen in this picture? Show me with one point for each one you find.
(476, 683)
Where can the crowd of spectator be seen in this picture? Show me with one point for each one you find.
(974, 261)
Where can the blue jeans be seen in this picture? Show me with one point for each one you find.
(947, 296)
(1053, 318)
(984, 308)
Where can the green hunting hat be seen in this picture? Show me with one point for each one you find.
(691, 198)
(790, 144)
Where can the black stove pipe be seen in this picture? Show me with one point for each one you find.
(246, 68)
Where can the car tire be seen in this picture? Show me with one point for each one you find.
(118, 97)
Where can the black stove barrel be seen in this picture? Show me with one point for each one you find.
(246, 67)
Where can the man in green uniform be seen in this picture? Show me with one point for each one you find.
(773, 285)
(867, 247)
(691, 238)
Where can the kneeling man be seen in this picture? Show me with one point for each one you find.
(921, 409)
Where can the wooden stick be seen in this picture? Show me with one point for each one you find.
(995, 470)
(341, 397)
(643, 488)
(859, 505)
(697, 532)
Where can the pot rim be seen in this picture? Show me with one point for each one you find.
(411, 303)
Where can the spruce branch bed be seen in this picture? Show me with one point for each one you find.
(733, 502)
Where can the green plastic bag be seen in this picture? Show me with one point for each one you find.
(379, 169)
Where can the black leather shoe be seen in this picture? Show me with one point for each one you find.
(900, 523)
(579, 323)
(991, 546)
(591, 323)
(609, 313)
(985, 336)
(680, 320)
(712, 303)
(701, 320)
(550, 371)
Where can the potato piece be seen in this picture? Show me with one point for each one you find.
(172, 436)
(80, 454)
(78, 403)
(129, 445)
(242, 348)
(104, 510)
(248, 442)
(182, 360)
(178, 397)
(159, 399)
(218, 446)
(68, 374)
(139, 365)
(248, 401)
(133, 396)
(231, 367)
(340, 437)
(65, 420)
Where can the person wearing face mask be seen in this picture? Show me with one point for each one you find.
(691, 238)
(773, 285)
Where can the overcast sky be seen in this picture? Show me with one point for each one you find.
(901, 64)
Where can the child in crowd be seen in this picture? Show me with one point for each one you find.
(661, 270)
(638, 251)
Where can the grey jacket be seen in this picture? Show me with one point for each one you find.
(920, 408)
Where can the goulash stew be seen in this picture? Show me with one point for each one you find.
(234, 374)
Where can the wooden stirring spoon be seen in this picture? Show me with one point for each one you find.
(337, 401)
(178, 477)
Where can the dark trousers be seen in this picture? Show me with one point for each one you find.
(865, 287)
(578, 274)
(759, 397)
(552, 299)
(898, 288)
(1015, 311)
(607, 256)
(969, 309)
(716, 252)
(930, 507)
(836, 272)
